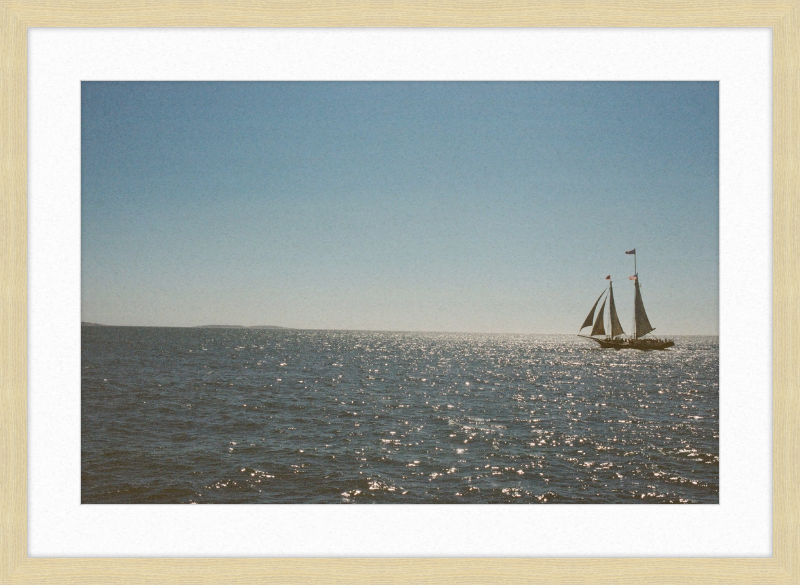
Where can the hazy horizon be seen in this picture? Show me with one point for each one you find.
(452, 207)
(290, 328)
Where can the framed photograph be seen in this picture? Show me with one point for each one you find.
(272, 259)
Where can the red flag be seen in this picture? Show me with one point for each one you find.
(632, 277)
(631, 251)
(608, 277)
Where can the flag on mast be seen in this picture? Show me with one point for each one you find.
(608, 277)
(632, 277)
(631, 251)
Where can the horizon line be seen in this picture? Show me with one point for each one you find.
(285, 328)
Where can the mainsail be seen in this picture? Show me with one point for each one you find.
(643, 326)
(616, 326)
(590, 318)
(598, 328)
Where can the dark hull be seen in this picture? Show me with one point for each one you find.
(640, 344)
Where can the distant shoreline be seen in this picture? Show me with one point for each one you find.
(89, 324)
(280, 328)
(239, 327)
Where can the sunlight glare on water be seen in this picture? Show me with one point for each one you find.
(182, 415)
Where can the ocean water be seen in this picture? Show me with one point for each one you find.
(182, 415)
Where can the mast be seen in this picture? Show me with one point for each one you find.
(635, 279)
(641, 324)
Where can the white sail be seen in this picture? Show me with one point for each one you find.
(590, 318)
(616, 326)
(643, 326)
(598, 328)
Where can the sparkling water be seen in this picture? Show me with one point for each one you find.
(192, 415)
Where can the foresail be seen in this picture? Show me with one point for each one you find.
(643, 326)
(590, 318)
(598, 328)
(616, 326)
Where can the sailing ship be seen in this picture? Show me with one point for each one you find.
(615, 339)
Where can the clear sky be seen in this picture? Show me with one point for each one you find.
(410, 206)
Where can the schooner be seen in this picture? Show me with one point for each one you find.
(614, 337)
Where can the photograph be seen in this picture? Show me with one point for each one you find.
(400, 292)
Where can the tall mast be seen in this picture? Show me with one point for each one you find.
(635, 284)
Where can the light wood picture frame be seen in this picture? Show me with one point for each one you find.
(783, 17)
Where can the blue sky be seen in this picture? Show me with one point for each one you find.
(452, 206)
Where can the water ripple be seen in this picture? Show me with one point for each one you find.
(286, 416)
